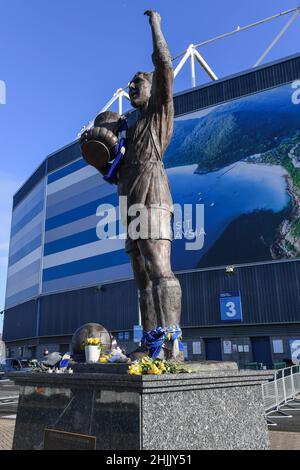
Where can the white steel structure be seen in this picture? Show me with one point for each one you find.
(192, 54)
(281, 393)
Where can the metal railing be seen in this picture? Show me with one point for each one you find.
(280, 392)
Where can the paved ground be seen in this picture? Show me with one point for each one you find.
(285, 440)
(8, 398)
(8, 408)
(279, 440)
(287, 424)
(286, 435)
(7, 427)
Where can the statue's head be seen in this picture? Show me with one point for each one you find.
(140, 89)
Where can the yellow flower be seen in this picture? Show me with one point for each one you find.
(134, 369)
(146, 360)
(92, 341)
(154, 370)
(162, 367)
(103, 359)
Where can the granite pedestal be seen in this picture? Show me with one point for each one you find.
(212, 409)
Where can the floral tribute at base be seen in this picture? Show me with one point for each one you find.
(148, 366)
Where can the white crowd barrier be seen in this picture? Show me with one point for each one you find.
(284, 388)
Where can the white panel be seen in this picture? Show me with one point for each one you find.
(33, 256)
(13, 288)
(27, 228)
(70, 179)
(85, 251)
(22, 207)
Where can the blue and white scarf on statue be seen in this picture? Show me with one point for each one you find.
(154, 339)
(120, 150)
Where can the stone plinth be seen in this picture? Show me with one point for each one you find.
(119, 368)
(214, 409)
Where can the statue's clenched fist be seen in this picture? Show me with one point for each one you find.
(153, 15)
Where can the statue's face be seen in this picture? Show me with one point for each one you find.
(140, 90)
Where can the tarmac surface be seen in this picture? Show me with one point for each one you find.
(284, 436)
(9, 394)
(289, 418)
(7, 428)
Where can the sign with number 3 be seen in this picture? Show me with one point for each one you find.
(231, 306)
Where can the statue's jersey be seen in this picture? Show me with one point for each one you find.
(142, 177)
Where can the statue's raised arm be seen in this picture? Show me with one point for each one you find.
(161, 59)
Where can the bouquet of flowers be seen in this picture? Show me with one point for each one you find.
(91, 342)
(148, 366)
(92, 349)
(116, 355)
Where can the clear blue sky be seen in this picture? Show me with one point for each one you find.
(62, 60)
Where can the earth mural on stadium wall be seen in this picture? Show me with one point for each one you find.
(241, 160)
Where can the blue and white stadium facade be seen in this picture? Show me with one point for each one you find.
(54, 244)
(61, 275)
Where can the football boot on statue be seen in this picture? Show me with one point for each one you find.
(98, 143)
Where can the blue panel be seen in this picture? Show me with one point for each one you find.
(31, 246)
(295, 350)
(81, 225)
(28, 204)
(78, 239)
(137, 333)
(84, 195)
(26, 272)
(80, 212)
(30, 215)
(116, 308)
(261, 350)
(20, 321)
(112, 273)
(70, 191)
(231, 307)
(213, 350)
(30, 184)
(21, 296)
(67, 170)
(85, 265)
(22, 240)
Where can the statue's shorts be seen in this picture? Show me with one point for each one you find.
(154, 223)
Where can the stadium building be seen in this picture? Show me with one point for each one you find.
(236, 154)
